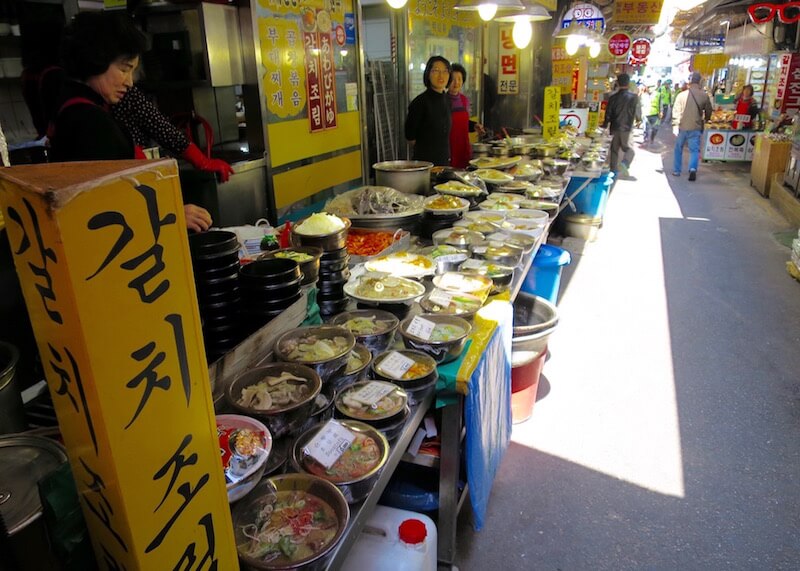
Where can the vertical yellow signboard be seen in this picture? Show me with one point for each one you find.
(552, 104)
(103, 259)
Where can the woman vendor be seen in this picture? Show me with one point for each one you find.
(746, 109)
(460, 124)
(100, 53)
(428, 121)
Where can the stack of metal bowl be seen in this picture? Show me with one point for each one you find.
(215, 259)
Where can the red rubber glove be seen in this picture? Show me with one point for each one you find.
(194, 155)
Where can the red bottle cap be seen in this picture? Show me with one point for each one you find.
(413, 531)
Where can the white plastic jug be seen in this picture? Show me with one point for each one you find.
(380, 546)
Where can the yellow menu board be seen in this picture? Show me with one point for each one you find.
(102, 254)
(552, 104)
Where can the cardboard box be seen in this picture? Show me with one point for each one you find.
(769, 158)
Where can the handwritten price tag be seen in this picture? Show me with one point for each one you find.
(449, 257)
(396, 365)
(372, 392)
(439, 297)
(330, 443)
(421, 327)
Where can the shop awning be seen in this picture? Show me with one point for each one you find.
(711, 25)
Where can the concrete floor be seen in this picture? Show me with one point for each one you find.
(667, 430)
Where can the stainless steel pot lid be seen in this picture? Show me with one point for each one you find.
(24, 460)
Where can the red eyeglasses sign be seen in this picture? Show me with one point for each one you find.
(763, 12)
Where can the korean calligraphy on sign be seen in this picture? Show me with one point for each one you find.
(789, 83)
(320, 76)
(508, 64)
(283, 57)
(124, 359)
(563, 65)
(639, 12)
(552, 105)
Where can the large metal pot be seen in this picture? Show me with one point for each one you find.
(411, 177)
(12, 413)
(535, 319)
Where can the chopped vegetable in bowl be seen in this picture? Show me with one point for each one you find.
(357, 461)
(275, 392)
(367, 326)
(313, 348)
(298, 257)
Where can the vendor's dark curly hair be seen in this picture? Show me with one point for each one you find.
(94, 40)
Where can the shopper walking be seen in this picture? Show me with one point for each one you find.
(650, 118)
(691, 110)
(622, 112)
(666, 99)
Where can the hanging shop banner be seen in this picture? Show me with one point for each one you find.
(562, 69)
(552, 104)
(313, 83)
(593, 121)
(640, 50)
(103, 260)
(508, 64)
(573, 87)
(788, 90)
(708, 63)
(587, 15)
(639, 12)
(619, 44)
(328, 79)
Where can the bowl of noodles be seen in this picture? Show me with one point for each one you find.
(290, 521)
(359, 466)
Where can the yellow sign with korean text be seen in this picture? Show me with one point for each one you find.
(283, 57)
(708, 63)
(594, 116)
(637, 12)
(552, 105)
(102, 254)
(441, 15)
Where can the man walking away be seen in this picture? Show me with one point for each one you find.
(691, 110)
(622, 111)
(667, 100)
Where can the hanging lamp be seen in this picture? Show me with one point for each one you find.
(487, 9)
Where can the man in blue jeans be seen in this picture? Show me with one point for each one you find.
(692, 108)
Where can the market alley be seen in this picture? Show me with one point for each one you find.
(666, 432)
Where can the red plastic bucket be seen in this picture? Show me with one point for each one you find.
(524, 385)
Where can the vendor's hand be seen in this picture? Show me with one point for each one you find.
(197, 218)
(201, 162)
(480, 129)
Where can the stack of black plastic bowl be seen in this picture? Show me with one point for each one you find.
(215, 259)
(333, 274)
(268, 288)
(434, 222)
(333, 266)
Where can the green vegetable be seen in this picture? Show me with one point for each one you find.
(286, 546)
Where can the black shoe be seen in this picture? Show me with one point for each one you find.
(692, 175)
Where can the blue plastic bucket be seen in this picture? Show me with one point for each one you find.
(544, 277)
(592, 199)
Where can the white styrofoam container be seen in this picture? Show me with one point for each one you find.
(379, 547)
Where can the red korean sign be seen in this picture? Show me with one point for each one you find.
(619, 44)
(313, 83)
(328, 81)
(508, 76)
(640, 50)
(783, 78)
(320, 79)
(790, 101)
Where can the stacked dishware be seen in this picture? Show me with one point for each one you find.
(333, 265)
(215, 259)
(333, 274)
(268, 287)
